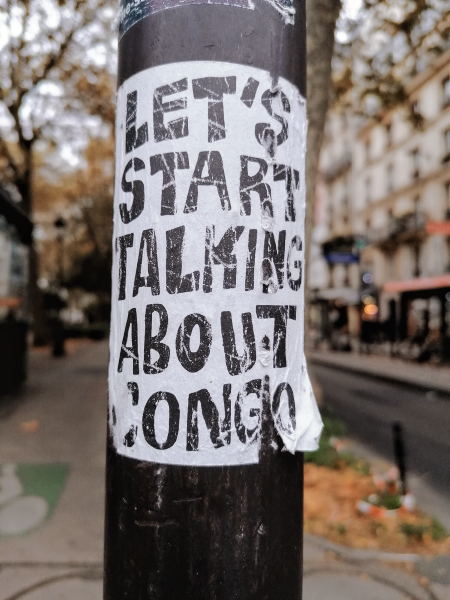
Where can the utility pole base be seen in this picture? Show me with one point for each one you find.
(231, 533)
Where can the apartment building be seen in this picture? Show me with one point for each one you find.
(384, 197)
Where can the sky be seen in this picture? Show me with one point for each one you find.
(352, 7)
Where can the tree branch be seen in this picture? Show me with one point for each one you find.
(12, 163)
(56, 58)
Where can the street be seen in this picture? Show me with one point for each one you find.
(368, 406)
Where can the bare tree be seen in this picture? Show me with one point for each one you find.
(55, 92)
(52, 70)
(390, 43)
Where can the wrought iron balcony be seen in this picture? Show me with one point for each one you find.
(406, 228)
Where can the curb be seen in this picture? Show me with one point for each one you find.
(359, 555)
(378, 374)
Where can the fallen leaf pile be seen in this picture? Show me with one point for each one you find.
(331, 510)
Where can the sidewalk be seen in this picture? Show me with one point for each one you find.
(53, 439)
(55, 429)
(332, 572)
(428, 377)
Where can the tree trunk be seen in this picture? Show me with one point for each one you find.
(321, 18)
(39, 327)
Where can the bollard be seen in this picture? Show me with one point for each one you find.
(399, 453)
(210, 405)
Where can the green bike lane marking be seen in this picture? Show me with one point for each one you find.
(29, 494)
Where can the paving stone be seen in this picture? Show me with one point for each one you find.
(15, 579)
(436, 569)
(442, 592)
(343, 586)
(70, 589)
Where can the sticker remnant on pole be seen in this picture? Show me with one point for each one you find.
(208, 289)
(132, 11)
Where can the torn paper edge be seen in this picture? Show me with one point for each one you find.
(303, 439)
(285, 11)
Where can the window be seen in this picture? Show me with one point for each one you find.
(389, 178)
(390, 261)
(345, 210)
(415, 156)
(416, 259)
(447, 145)
(345, 120)
(388, 134)
(390, 216)
(346, 189)
(367, 149)
(446, 90)
(368, 191)
(416, 107)
(447, 201)
(447, 140)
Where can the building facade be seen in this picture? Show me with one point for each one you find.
(15, 240)
(384, 193)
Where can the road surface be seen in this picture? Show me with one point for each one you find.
(369, 406)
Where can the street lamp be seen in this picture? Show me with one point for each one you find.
(58, 327)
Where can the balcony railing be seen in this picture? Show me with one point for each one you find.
(407, 227)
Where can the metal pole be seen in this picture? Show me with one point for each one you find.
(57, 323)
(399, 452)
(206, 368)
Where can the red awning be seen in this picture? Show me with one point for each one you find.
(10, 302)
(438, 227)
(421, 283)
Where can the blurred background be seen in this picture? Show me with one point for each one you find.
(377, 249)
(379, 273)
(57, 79)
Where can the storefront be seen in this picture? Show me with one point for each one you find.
(15, 240)
(424, 314)
(338, 305)
(336, 317)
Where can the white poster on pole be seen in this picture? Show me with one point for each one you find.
(208, 275)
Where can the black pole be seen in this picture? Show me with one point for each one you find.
(399, 452)
(198, 531)
(57, 323)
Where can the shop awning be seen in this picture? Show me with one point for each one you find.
(421, 283)
(438, 227)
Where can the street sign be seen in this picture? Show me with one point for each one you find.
(345, 258)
